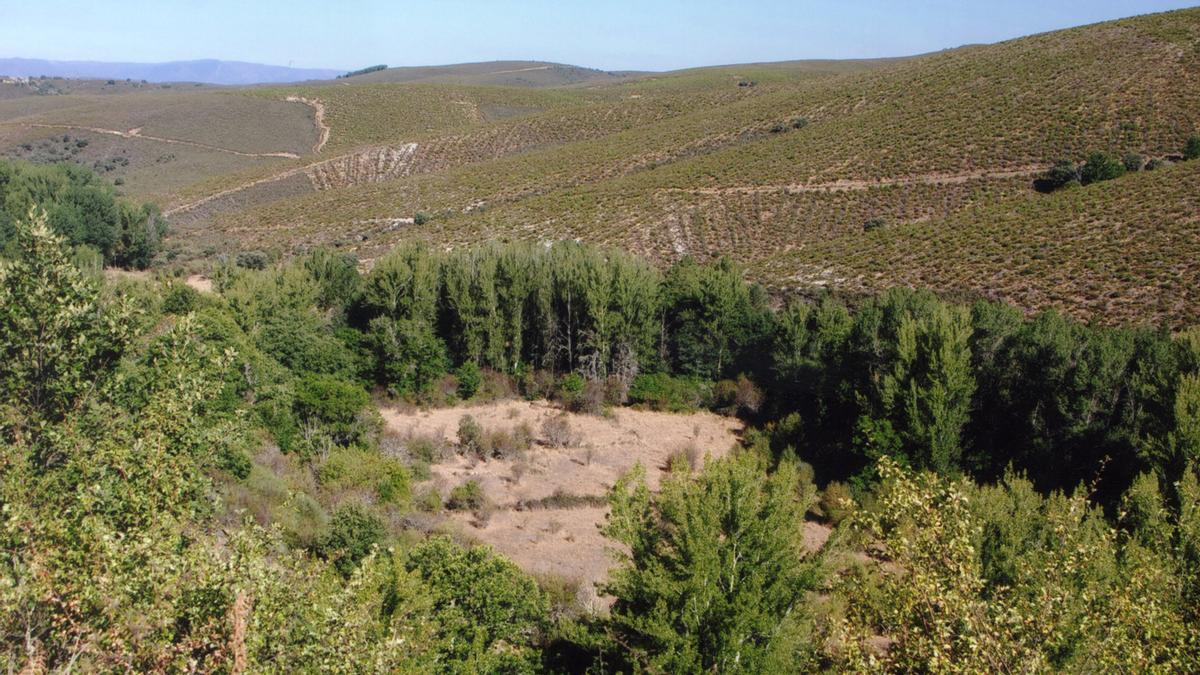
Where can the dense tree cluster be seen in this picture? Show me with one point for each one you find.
(362, 71)
(977, 390)
(139, 420)
(83, 209)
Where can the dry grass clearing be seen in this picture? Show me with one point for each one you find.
(552, 536)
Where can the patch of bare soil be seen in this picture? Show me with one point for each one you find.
(565, 542)
(200, 283)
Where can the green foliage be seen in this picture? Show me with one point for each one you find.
(180, 299)
(1062, 174)
(873, 224)
(363, 71)
(660, 391)
(353, 533)
(336, 277)
(1191, 150)
(918, 356)
(120, 426)
(278, 309)
(82, 209)
(334, 403)
(252, 260)
(712, 576)
(1101, 166)
(470, 436)
(409, 356)
(58, 339)
(466, 497)
(490, 613)
(469, 380)
(386, 477)
(999, 579)
(716, 322)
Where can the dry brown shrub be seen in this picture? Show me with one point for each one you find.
(556, 431)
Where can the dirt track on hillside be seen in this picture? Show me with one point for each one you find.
(318, 119)
(136, 133)
(853, 185)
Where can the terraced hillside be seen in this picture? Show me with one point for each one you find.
(1123, 250)
(778, 165)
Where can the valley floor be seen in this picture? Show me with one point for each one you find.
(555, 537)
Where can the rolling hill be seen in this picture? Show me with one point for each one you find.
(493, 73)
(777, 165)
(207, 71)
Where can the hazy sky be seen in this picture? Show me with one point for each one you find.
(614, 35)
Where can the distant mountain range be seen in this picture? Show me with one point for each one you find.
(208, 71)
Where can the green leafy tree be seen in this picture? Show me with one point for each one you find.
(409, 356)
(57, 338)
(491, 613)
(919, 384)
(711, 575)
(336, 404)
(353, 533)
(716, 324)
(1022, 597)
(81, 208)
(469, 380)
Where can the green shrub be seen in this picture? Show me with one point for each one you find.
(429, 500)
(697, 529)
(466, 497)
(353, 532)
(180, 299)
(332, 402)
(471, 439)
(873, 224)
(252, 260)
(469, 380)
(428, 449)
(570, 387)
(409, 356)
(659, 391)
(1062, 174)
(836, 502)
(234, 460)
(491, 614)
(1192, 149)
(1133, 162)
(386, 476)
(733, 397)
(1101, 166)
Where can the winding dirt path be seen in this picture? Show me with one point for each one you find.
(853, 185)
(318, 118)
(137, 133)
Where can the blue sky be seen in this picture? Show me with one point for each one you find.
(614, 35)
